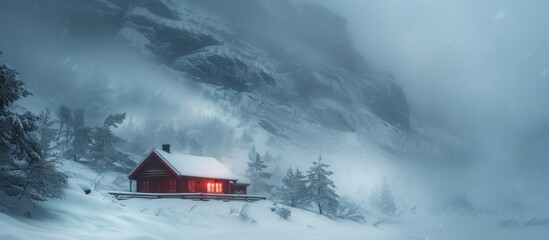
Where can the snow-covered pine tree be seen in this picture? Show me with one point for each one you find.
(386, 203)
(24, 173)
(76, 122)
(103, 151)
(77, 136)
(321, 188)
(80, 144)
(274, 168)
(79, 120)
(252, 152)
(294, 190)
(64, 116)
(46, 134)
(286, 191)
(256, 173)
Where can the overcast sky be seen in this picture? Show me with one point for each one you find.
(474, 61)
(480, 66)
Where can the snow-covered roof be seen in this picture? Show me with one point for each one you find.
(197, 166)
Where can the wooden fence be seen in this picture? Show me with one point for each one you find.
(194, 196)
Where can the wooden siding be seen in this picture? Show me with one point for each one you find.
(157, 185)
(154, 176)
(200, 184)
(153, 168)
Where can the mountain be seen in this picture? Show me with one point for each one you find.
(287, 69)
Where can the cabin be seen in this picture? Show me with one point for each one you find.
(162, 171)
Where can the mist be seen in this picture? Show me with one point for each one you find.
(445, 99)
(479, 70)
(486, 60)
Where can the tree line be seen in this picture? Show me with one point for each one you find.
(72, 139)
(27, 171)
(32, 145)
(313, 190)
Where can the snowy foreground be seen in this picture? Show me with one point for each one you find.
(99, 216)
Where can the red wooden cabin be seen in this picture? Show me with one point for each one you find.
(164, 172)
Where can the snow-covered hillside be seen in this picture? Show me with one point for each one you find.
(98, 215)
(94, 216)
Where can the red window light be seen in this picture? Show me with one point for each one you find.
(214, 187)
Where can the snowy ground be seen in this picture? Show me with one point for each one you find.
(99, 216)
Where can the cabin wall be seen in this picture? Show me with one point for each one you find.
(154, 168)
(155, 177)
(157, 184)
(183, 185)
(201, 184)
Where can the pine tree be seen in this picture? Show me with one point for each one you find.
(46, 131)
(321, 188)
(46, 135)
(385, 202)
(64, 117)
(79, 120)
(294, 190)
(78, 136)
(80, 144)
(102, 149)
(256, 173)
(24, 172)
(253, 152)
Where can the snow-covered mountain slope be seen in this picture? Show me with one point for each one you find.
(285, 67)
(276, 73)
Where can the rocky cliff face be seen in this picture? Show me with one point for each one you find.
(286, 67)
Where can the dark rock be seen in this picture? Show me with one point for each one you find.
(280, 62)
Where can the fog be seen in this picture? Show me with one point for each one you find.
(479, 70)
(486, 59)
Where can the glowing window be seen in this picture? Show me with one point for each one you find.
(214, 187)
